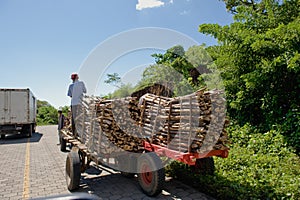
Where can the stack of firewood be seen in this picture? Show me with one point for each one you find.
(191, 123)
(118, 120)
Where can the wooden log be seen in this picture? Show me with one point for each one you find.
(171, 125)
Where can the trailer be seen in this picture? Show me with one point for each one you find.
(114, 133)
(17, 112)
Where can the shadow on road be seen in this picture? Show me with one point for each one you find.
(108, 184)
(18, 138)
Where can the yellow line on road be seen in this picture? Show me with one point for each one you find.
(26, 171)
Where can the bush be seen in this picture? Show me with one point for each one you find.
(259, 166)
(46, 114)
(291, 128)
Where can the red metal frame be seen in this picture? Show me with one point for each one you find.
(187, 158)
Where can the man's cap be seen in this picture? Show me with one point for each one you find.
(74, 76)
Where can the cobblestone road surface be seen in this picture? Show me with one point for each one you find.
(35, 167)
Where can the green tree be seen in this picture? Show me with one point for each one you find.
(204, 72)
(198, 56)
(259, 58)
(41, 103)
(125, 90)
(47, 114)
(232, 5)
(167, 76)
(114, 80)
(66, 110)
(183, 71)
(174, 57)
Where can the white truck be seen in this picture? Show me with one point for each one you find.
(18, 111)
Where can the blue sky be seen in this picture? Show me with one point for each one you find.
(43, 42)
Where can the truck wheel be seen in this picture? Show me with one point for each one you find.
(151, 174)
(63, 144)
(27, 130)
(205, 166)
(29, 133)
(73, 170)
(33, 128)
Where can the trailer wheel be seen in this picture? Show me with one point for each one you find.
(151, 174)
(205, 166)
(73, 170)
(63, 144)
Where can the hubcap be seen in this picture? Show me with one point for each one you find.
(147, 175)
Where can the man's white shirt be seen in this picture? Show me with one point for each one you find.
(77, 91)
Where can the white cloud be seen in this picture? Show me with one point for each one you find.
(142, 4)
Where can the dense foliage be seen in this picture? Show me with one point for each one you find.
(47, 114)
(124, 91)
(259, 166)
(179, 71)
(259, 59)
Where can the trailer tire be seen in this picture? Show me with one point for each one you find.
(151, 174)
(63, 144)
(205, 166)
(73, 170)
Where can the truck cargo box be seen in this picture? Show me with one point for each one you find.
(17, 111)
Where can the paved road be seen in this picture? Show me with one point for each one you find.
(35, 167)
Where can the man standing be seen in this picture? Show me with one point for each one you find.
(75, 91)
(61, 122)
